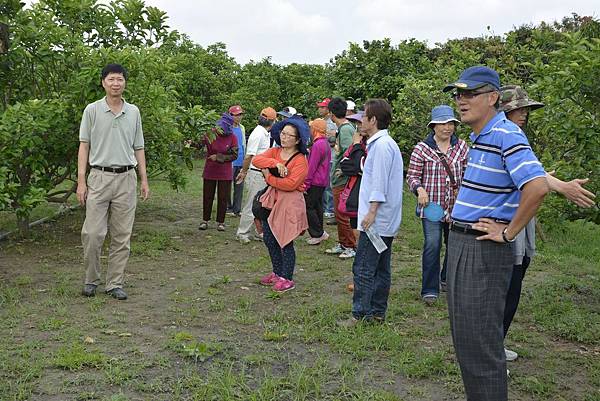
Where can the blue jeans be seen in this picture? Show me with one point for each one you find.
(234, 204)
(372, 278)
(432, 232)
(328, 200)
(282, 259)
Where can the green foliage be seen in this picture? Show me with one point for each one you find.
(33, 152)
(58, 48)
(567, 129)
(53, 70)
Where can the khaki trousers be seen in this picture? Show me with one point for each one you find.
(253, 183)
(110, 206)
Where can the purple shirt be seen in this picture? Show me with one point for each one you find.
(319, 160)
(225, 146)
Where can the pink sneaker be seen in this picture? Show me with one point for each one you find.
(318, 240)
(283, 285)
(269, 279)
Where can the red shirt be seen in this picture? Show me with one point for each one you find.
(225, 147)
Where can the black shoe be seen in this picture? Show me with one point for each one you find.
(89, 290)
(117, 293)
(379, 319)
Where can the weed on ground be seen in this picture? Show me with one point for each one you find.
(198, 326)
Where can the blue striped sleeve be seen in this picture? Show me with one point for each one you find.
(521, 163)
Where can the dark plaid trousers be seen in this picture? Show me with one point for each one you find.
(479, 274)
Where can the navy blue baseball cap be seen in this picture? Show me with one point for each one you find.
(474, 78)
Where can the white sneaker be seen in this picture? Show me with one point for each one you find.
(510, 355)
(347, 253)
(328, 215)
(243, 239)
(317, 240)
(336, 250)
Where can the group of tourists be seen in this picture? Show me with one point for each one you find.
(479, 201)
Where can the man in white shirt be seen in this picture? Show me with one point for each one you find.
(258, 142)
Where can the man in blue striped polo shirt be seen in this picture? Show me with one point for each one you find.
(503, 186)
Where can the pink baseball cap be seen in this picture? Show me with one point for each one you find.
(235, 110)
(324, 102)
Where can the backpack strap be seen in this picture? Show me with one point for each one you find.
(447, 168)
(291, 157)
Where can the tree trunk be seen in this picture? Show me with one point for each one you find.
(3, 38)
(23, 225)
(539, 231)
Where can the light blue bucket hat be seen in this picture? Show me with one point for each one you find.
(441, 115)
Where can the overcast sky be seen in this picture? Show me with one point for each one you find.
(313, 31)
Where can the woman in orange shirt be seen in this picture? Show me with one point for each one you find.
(284, 169)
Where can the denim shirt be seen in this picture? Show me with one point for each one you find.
(382, 182)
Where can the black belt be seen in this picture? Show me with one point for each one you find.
(255, 169)
(465, 228)
(117, 170)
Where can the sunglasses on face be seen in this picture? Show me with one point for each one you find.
(468, 95)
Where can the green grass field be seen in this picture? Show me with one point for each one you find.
(198, 326)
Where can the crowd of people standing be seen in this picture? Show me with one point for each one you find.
(479, 201)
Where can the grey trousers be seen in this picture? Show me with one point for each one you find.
(479, 275)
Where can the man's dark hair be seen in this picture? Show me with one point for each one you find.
(114, 68)
(338, 106)
(381, 110)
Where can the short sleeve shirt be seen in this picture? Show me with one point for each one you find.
(241, 141)
(113, 139)
(344, 141)
(258, 142)
(500, 162)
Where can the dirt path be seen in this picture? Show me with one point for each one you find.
(198, 326)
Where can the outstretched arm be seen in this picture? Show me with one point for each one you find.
(572, 190)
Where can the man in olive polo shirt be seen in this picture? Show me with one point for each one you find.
(112, 141)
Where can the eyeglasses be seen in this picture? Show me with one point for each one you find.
(468, 95)
(288, 135)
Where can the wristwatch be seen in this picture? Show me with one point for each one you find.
(504, 236)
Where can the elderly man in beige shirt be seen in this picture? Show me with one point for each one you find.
(112, 141)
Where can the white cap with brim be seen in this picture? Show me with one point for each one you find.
(287, 111)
